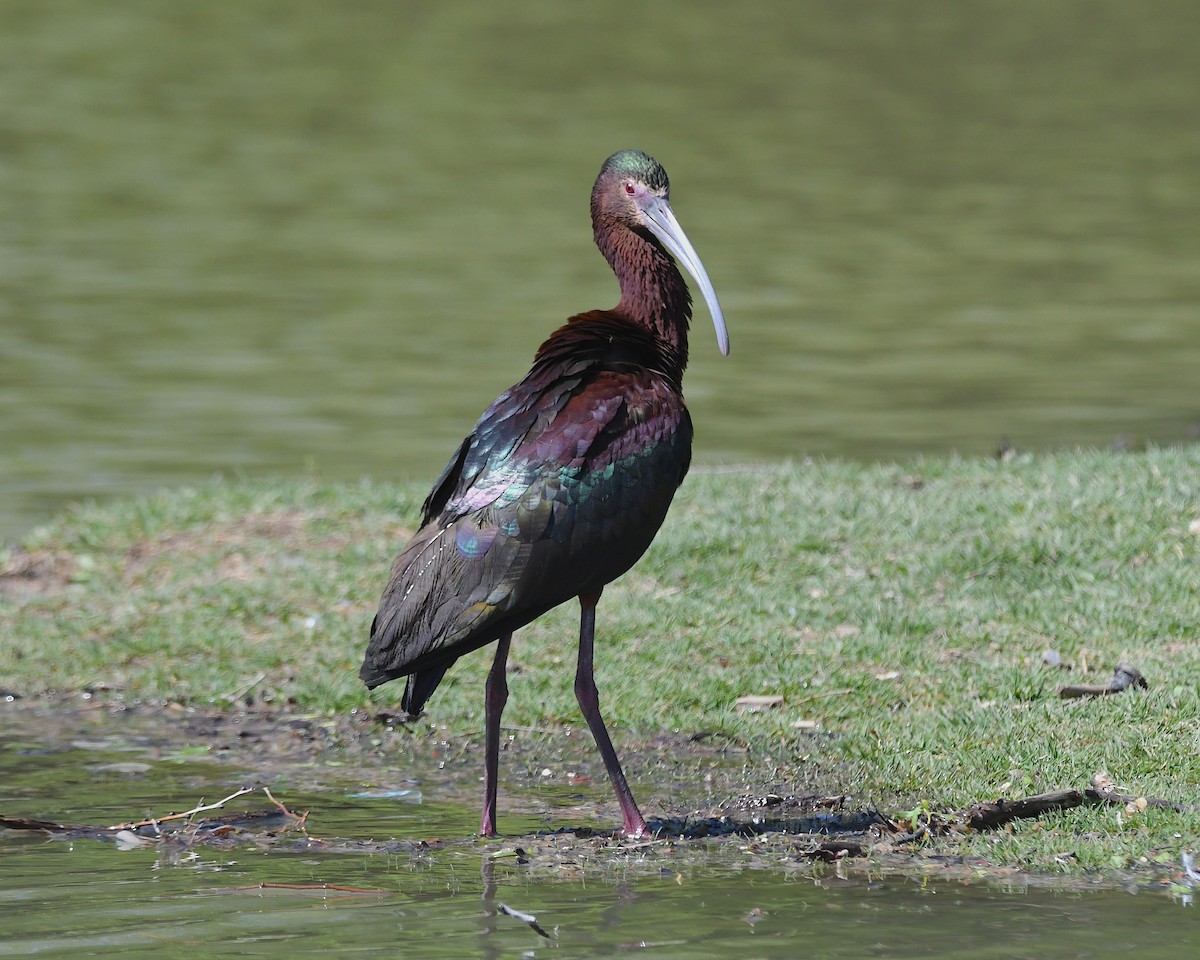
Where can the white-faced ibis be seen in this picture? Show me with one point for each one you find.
(564, 481)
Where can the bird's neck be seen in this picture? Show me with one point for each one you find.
(653, 292)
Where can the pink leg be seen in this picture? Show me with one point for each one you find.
(495, 696)
(589, 703)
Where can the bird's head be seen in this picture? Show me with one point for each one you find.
(633, 191)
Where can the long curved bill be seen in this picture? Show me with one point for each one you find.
(662, 223)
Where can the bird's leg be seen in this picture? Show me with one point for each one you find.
(495, 696)
(589, 703)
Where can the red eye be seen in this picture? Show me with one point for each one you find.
(630, 188)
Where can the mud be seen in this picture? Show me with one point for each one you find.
(716, 804)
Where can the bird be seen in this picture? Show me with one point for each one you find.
(563, 482)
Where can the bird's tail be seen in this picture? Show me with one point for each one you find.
(420, 687)
(417, 690)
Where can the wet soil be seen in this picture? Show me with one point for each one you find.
(553, 791)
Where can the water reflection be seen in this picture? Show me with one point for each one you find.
(112, 904)
(65, 897)
(236, 242)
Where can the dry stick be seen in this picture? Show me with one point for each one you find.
(832, 850)
(153, 821)
(983, 816)
(1124, 677)
(920, 833)
(24, 823)
(300, 818)
(1102, 795)
(528, 918)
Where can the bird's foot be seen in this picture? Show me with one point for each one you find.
(634, 830)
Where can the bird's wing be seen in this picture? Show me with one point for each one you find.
(532, 510)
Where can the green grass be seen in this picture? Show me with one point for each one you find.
(903, 608)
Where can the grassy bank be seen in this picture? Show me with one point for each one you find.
(902, 612)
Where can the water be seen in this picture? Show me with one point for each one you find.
(84, 897)
(263, 238)
(115, 904)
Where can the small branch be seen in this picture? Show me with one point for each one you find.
(1124, 677)
(27, 823)
(300, 818)
(186, 825)
(830, 851)
(1125, 799)
(201, 808)
(1103, 790)
(984, 816)
(528, 918)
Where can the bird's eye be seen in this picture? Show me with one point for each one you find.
(630, 189)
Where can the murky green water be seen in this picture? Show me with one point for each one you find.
(98, 902)
(271, 237)
(84, 897)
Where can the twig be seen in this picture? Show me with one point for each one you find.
(921, 832)
(1103, 790)
(1124, 677)
(528, 918)
(1124, 799)
(300, 818)
(983, 816)
(831, 851)
(201, 808)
